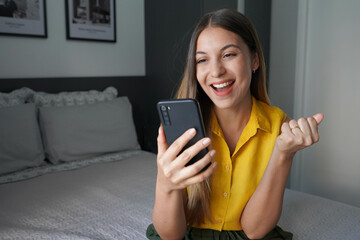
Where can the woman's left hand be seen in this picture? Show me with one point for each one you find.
(298, 134)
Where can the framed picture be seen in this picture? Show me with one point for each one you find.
(92, 20)
(23, 18)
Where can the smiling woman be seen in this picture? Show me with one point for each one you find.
(241, 194)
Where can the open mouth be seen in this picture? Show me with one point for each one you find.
(221, 87)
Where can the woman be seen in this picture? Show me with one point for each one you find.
(240, 196)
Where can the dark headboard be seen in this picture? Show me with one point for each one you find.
(138, 90)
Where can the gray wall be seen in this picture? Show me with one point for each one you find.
(326, 80)
(283, 37)
(212, 5)
(23, 57)
(259, 12)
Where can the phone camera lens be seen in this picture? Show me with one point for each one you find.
(163, 108)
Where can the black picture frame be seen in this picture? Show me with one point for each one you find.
(91, 20)
(23, 18)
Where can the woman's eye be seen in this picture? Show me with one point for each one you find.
(230, 55)
(200, 61)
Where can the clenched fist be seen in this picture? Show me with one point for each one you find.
(298, 134)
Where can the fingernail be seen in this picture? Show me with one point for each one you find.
(214, 165)
(212, 153)
(206, 141)
(191, 131)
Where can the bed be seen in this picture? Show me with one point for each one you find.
(64, 189)
(108, 200)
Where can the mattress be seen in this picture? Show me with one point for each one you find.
(112, 196)
(312, 217)
(103, 200)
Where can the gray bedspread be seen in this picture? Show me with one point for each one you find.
(316, 218)
(114, 200)
(102, 201)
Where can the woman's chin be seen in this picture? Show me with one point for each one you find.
(223, 104)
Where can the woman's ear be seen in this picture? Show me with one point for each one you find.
(255, 61)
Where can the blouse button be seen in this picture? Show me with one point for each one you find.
(225, 194)
(227, 167)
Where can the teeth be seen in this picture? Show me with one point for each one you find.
(222, 85)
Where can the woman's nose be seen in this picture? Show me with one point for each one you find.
(217, 69)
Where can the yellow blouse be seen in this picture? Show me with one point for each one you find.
(236, 177)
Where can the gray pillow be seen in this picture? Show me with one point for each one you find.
(78, 132)
(16, 97)
(42, 99)
(20, 141)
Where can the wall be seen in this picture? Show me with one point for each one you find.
(259, 13)
(213, 5)
(327, 80)
(23, 57)
(241, 6)
(283, 54)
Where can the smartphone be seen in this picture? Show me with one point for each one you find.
(179, 115)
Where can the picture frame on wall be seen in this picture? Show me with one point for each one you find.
(23, 18)
(91, 20)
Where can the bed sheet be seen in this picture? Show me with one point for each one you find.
(114, 200)
(108, 200)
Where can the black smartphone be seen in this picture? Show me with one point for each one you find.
(179, 115)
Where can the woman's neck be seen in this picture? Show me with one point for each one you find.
(233, 121)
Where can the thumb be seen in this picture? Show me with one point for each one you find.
(318, 117)
(161, 141)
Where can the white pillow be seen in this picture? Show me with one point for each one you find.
(43, 99)
(16, 97)
(78, 132)
(20, 142)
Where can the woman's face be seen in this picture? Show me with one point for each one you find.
(224, 67)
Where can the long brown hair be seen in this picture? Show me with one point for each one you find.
(198, 201)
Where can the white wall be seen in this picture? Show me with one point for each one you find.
(55, 56)
(241, 6)
(327, 80)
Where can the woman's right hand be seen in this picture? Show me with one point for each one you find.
(172, 172)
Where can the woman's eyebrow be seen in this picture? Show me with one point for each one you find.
(200, 52)
(230, 45)
(223, 48)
